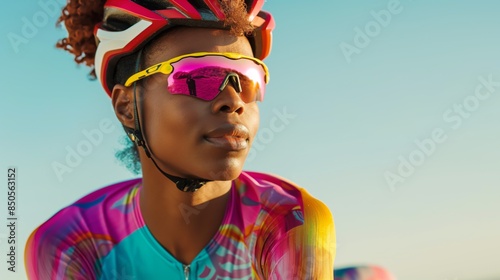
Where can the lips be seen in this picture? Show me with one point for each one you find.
(229, 136)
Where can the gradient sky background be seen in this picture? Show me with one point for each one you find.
(353, 121)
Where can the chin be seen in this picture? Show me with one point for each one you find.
(226, 172)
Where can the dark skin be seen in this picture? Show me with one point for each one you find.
(175, 126)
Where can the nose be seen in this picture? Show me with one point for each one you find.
(229, 99)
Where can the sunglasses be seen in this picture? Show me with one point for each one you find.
(205, 74)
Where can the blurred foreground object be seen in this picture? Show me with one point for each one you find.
(370, 272)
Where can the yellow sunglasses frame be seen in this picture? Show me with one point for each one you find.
(165, 67)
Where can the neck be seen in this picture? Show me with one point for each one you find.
(161, 196)
(182, 222)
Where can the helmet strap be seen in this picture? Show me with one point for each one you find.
(139, 138)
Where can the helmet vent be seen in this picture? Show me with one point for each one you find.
(203, 9)
(249, 4)
(117, 20)
(154, 4)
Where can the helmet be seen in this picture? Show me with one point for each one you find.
(130, 24)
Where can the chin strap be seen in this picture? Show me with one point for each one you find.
(139, 138)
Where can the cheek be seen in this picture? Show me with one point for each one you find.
(253, 120)
(170, 120)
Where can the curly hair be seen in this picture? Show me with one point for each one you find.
(80, 17)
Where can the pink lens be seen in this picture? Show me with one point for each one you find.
(202, 77)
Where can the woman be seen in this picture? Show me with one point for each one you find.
(184, 78)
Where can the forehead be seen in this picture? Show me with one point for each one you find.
(184, 40)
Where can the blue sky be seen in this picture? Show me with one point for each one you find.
(405, 90)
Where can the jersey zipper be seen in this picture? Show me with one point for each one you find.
(186, 271)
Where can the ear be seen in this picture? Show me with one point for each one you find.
(123, 102)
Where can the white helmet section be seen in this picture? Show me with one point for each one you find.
(113, 40)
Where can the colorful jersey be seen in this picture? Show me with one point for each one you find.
(272, 229)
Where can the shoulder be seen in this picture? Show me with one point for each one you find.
(285, 191)
(282, 197)
(89, 210)
(93, 207)
(267, 190)
(83, 229)
(297, 229)
(106, 194)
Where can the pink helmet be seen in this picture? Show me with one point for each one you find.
(129, 24)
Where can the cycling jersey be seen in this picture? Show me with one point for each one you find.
(272, 229)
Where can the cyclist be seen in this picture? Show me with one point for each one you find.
(184, 78)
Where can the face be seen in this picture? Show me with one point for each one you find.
(190, 137)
